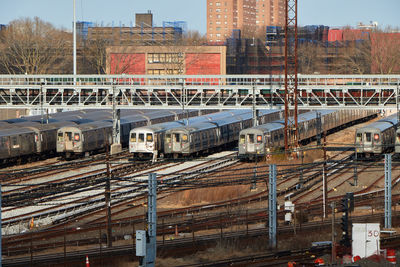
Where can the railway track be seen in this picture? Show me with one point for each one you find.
(90, 195)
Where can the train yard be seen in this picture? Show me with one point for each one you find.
(56, 210)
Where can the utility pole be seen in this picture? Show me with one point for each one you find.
(333, 252)
(107, 195)
(324, 182)
(116, 146)
(272, 218)
(388, 191)
(74, 45)
(255, 112)
(291, 126)
(146, 241)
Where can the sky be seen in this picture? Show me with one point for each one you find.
(334, 13)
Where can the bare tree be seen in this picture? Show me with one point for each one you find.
(385, 52)
(310, 56)
(32, 46)
(94, 56)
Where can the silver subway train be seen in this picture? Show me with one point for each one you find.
(148, 141)
(262, 140)
(377, 137)
(211, 136)
(89, 138)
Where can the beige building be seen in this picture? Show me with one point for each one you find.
(223, 16)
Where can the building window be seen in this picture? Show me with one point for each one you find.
(218, 28)
(218, 4)
(217, 10)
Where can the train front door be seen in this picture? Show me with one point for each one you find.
(176, 142)
(68, 141)
(250, 143)
(368, 141)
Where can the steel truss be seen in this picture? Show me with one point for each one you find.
(206, 92)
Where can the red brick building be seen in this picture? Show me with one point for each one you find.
(164, 60)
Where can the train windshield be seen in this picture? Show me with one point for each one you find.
(133, 137)
(368, 137)
(60, 137)
(176, 138)
(168, 137)
(251, 138)
(141, 138)
(359, 137)
(398, 137)
(242, 139)
(149, 137)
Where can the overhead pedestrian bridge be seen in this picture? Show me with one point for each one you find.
(197, 92)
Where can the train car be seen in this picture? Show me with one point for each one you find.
(262, 140)
(84, 138)
(92, 137)
(377, 137)
(148, 141)
(16, 143)
(205, 137)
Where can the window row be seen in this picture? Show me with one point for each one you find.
(164, 58)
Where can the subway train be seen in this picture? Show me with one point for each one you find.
(261, 140)
(377, 137)
(210, 136)
(147, 142)
(27, 138)
(90, 138)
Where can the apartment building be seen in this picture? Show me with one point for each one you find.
(223, 16)
(270, 13)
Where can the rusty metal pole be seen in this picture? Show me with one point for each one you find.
(286, 76)
(291, 126)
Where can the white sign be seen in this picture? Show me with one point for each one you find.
(366, 239)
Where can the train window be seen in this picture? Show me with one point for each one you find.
(168, 137)
(176, 138)
(36, 137)
(60, 136)
(14, 140)
(376, 137)
(242, 138)
(368, 137)
(184, 138)
(398, 137)
(141, 138)
(149, 137)
(77, 137)
(359, 137)
(133, 137)
(251, 138)
(259, 139)
(68, 136)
